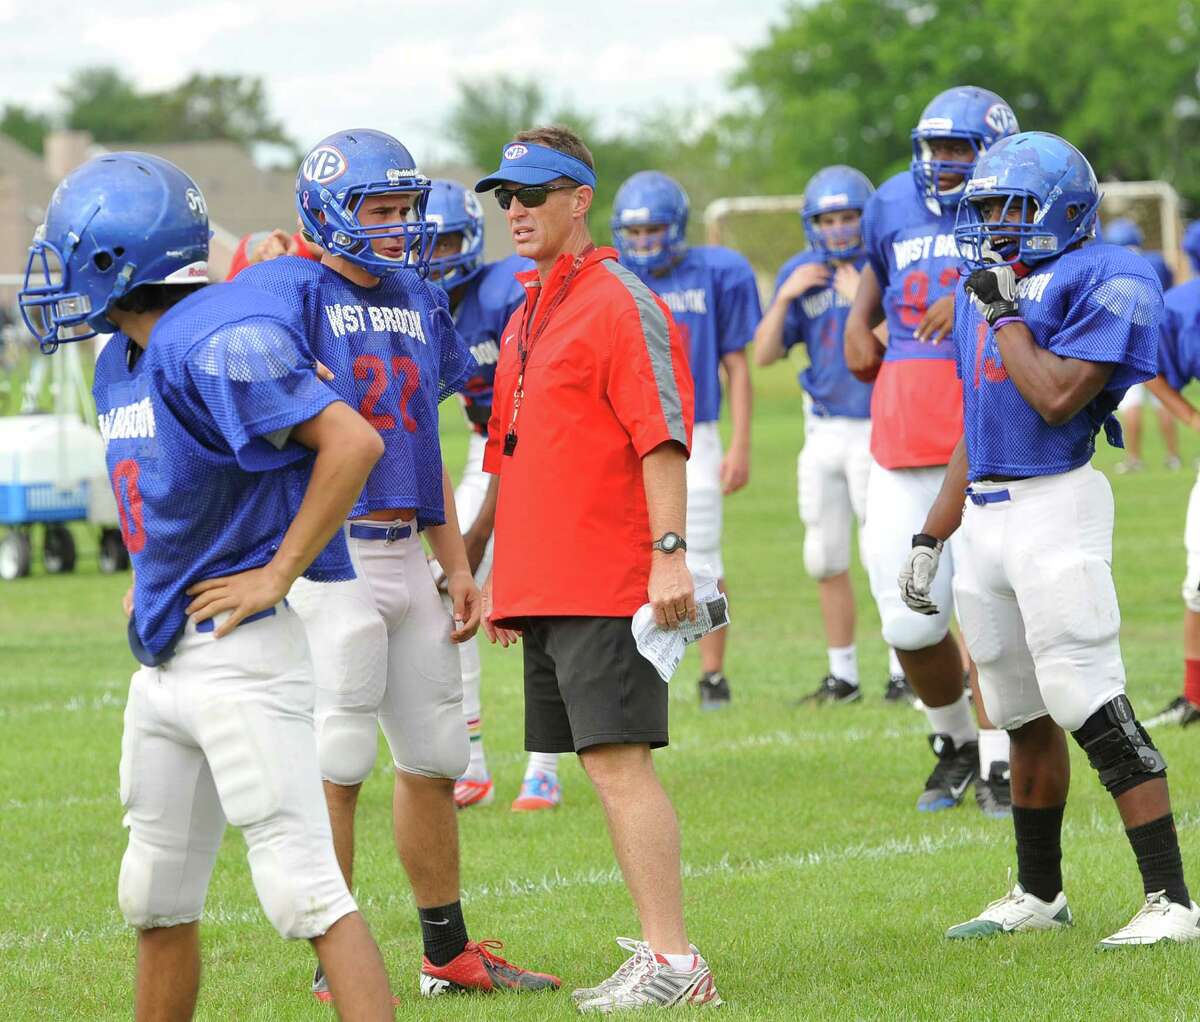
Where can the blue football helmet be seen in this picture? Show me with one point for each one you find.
(1121, 231)
(1049, 181)
(456, 210)
(119, 221)
(650, 198)
(830, 191)
(342, 170)
(1191, 245)
(980, 117)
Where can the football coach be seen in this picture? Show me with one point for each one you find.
(590, 430)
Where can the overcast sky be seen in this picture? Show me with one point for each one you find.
(392, 64)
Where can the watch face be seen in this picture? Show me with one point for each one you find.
(669, 543)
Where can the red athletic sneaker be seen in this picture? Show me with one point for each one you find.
(478, 968)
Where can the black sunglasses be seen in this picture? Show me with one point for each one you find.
(530, 195)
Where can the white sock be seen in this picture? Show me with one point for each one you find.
(895, 668)
(993, 748)
(680, 963)
(954, 720)
(542, 762)
(843, 663)
(468, 654)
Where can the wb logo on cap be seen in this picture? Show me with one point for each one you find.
(323, 165)
(515, 152)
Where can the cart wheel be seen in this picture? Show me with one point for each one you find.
(16, 555)
(58, 550)
(113, 555)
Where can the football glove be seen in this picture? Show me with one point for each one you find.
(916, 577)
(993, 292)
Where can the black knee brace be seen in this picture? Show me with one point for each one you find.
(1118, 747)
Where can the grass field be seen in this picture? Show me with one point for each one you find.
(812, 885)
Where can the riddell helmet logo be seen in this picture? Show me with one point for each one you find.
(515, 152)
(323, 165)
(834, 200)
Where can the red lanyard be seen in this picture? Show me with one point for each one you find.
(525, 345)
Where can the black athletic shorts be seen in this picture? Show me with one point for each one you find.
(586, 684)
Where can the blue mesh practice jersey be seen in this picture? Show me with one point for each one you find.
(713, 296)
(395, 356)
(817, 319)
(489, 300)
(1179, 335)
(916, 407)
(202, 490)
(1098, 303)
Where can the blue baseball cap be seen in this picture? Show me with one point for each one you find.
(527, 163)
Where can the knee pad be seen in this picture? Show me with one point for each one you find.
(346, 747)
(909, 631)
(824, 557)
(444, 755)
(155, 890)
(301, 899)
(1119, 748)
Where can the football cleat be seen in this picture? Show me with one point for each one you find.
(714, 691)
(652, 983)
(956, 769)
(639, 954)
(1017, 912)
(1128, 466)
(1177, 711)
(539, 790)
(479, 969)
(993, 794)
(833, 690)
(1158, 920)
(1172, 463)
(470, 792)
(321, 991)
(898, 689)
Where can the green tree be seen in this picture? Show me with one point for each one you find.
(845, 81)
(201, 108)
(26, 127)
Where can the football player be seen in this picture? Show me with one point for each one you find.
(813, 292)
(1178, 365)
(1126, 233)
(209, 409)
(482, 299)
(916, 416)
(712, 293)
(383, 645)
(1049, 331)
(1191, 246)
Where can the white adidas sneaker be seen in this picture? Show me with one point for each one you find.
(1017, 912)
(1157, 920)
(652, 983)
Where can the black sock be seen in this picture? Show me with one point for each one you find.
(1156, 845)
(443, 931)
(1039, 850)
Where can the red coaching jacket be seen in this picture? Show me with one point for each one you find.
(606, 381)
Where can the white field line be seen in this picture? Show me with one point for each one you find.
(521, 887)
(112, 698)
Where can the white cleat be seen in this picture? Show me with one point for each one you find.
(1157, 920)
(651, 983)
(639, 953)
(1017, 912)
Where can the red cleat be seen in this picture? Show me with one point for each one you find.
(478, 968)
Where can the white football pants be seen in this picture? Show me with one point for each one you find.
(831, 474)
(704, 501)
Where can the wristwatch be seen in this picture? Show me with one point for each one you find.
(669, 542)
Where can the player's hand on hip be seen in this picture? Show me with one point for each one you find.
(671, 590)
(468, 605)
(735, 471)
(324, 373)
(804, 278)
(916, 577)
(242, 595)
(505, 636)
(993, 292)
(127, 602)
(938, 320)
